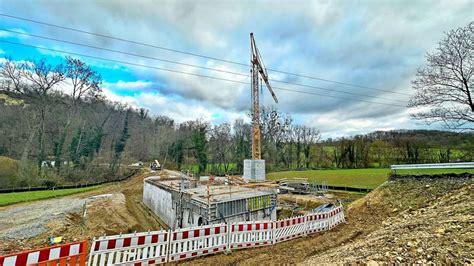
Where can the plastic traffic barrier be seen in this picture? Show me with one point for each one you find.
(316, 222)
(67, 254)
(289, 228)
(251, 234)
(174, 245)
(336, 216)
(193, 242)
(146, 248)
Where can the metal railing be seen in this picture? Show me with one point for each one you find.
(464, 165)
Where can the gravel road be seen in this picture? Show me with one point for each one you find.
(29, 220)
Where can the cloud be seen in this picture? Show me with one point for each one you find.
(376, 44)
(6, 34)
(128, 85)
(179, 109)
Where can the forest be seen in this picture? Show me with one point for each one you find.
(56, 127)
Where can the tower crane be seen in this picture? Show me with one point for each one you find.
(258, 68)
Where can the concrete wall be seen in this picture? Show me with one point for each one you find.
(254, 216)
(159, 201)
(194, 221)
(254, 170)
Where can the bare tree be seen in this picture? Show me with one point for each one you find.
(311, 136)
(444, 86)
(34, 81)
(275, 126)
(84, 80)
(85, 83)
(220, 145)
(297, 135)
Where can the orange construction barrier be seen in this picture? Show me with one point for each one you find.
(67, 254)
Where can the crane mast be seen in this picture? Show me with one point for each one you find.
(257, 69)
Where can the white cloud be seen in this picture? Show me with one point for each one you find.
(377, 44)
(128, 85)
(177, 108)
(129, 100)
(6, 34)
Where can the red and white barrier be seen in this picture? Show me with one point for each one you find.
(189, 243)
(289, 228)
(336, 217)
(250, 234)
(68, 254)
(175, 245)
(144, 248)
(316, 222)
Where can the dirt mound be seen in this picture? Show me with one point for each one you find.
(431, 221)
(375, 212)
(466, 175)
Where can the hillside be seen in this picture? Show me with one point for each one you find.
(386, 208)
(431, 138)
(425, 221)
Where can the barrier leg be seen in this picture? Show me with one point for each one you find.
(229, 226)
(73, 260)
(83, 255)
(168, 245)
(305, 232)
(273, 232)
(63, 262)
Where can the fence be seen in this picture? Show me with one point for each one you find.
(146, 248)
(68, 254)
(352, 189)
(175, 245)
(465, 165)
(78, 185)
(250, 234)
(194, 242)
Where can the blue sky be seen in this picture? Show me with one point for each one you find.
(378, 44)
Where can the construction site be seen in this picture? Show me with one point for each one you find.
(186, 203)
(112, 183)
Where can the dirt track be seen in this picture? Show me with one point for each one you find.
(30, 220)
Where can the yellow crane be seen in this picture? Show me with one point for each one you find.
(258, 68)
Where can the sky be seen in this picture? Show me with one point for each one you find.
(371, 44)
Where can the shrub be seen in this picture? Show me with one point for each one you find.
(8, 172)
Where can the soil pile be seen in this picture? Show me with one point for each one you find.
(434, 223)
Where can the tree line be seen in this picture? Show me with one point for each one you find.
(58, 127)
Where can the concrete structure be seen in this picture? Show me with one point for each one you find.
(182, 203)
(254, 170)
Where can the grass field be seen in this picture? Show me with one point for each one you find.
(359, 178)
(17, 197)
(195, 168)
